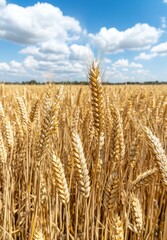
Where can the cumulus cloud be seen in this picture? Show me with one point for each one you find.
(123, 70)
(81, 52)
(33, 50)
(53, 46)
(158, 50)
(124, 63)
(127, 74)
(30, 62)
(38, 23)
(145, 56)
(2, 3)
(13, 68)
(4, 66)
(58, 52)
(121, 63)
(66, 68)
(138, 37)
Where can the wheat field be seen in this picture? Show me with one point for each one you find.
(83, 162)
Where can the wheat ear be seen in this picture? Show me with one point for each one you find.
(38, 235)
(80, 165)
(23, 110)
(158, 153)
(3, 153)
(136, 214)
(61, 182)
(34, 111)
(118, 228)
(48, 125)
(96, 96)
(9, 134)
(111, 191)
(2, 112)
(144, 178)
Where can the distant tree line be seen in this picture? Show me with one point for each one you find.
(34, 82)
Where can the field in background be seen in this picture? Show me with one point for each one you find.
(80, 162)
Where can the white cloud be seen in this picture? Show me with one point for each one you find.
(15, 64)
(39, 23)
(107, 60)
(62, 69)
(13, 68)
(145, 56)
(4, 66)
(163, 22)
(124, 63)
(127, 75)
(56, 54)
(16, 68)
(33, 50)
(121, 63)
(160, 49)
(80, 52)
(165, 1)
(30, 62)
(56, 47)
(138, 37)
(49, 36)
(2, 3)
(136, 65)
(140, 71)
(56, 51)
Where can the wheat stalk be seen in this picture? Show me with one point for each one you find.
(117, 137)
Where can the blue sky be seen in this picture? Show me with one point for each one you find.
(58, 39)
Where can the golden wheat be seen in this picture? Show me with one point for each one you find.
(83, 162)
